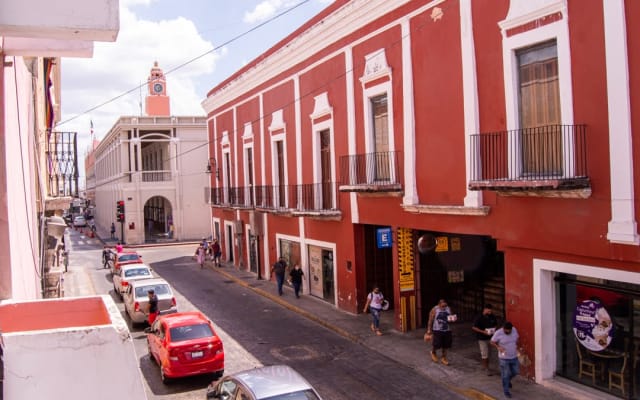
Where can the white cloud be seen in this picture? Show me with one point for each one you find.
(266, 10)
(117, 69)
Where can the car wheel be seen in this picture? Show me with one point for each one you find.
(218, 375)
(151, 357)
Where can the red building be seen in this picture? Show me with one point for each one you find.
(474, 151)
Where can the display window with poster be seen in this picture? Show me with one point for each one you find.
(290, 251)
(321, 273)
(599, 334)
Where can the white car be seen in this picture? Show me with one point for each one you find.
(79, 220)
(129, 273)
(136, 298)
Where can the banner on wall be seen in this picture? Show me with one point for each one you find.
(592, 325)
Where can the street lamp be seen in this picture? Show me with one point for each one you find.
(211, 165)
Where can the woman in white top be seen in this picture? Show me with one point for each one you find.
(374, 304)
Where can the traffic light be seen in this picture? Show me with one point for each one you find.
(120, 210)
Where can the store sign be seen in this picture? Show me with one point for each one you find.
(592, 325)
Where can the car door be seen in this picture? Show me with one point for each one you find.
(117, 278)
(154, 339)
(128, 299)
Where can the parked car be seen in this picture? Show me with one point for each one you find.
(136, 299)
(79, 221)
(129, 273)
(124, 258)
(185, 344)
(277, 382)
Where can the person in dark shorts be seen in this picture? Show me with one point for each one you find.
(153, 306)
(438, 326)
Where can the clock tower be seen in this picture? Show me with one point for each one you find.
(157, 102)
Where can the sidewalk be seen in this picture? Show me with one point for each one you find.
(464, 374)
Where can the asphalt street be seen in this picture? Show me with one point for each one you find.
(255, 331)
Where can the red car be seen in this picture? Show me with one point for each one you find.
(127, 257)
(185, 344)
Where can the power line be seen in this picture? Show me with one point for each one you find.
(233, 39)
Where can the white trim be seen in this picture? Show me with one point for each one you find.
(623, 227)
(545, 306)
(558, 31)
(298, 128)
(248, 131)
(224, 140)
(277, 121)
(473, 198)
(321, 106)
(375, 66)
(409, 122)
(521, 12)
(245, 162)
(317, 164)
(384, 88)
(235, 146)
(274, 168)
(225, 174)
(263, 168)
(351, 124)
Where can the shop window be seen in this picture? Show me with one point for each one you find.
(598, 334)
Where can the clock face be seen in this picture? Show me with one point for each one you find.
(158, 88)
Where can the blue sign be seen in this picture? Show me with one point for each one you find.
(383, 236)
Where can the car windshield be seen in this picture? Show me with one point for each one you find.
(137, 272)
(301, 395)
(128, 257)
(160, 289)
(189, 332)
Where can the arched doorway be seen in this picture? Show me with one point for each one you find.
(158, 218)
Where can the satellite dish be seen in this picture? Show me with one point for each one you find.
(427, 243)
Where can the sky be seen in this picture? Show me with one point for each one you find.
(197, 43)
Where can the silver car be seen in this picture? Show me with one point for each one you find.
(129, 273)
(276, 382)
(136, 299)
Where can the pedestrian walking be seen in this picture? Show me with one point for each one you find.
(296, 279)
(485, 326)
(506, 341)
(438, 327)
(279, 268)
(119, 248)
(106, 256)
(113, 230)
(374, 305)
(200, 256)
(217, 252)
(153, 306)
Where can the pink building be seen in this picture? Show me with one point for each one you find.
(448, 149)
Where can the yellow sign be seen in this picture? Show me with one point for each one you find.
(405, 259)
(442, 243)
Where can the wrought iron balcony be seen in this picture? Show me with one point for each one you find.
(371, 172)
(62, 164)
(156, 176)
(552, 157)
(315, 199)
(232, 197)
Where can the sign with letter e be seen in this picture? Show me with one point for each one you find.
(383, 236)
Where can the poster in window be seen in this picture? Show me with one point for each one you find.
(592, 325)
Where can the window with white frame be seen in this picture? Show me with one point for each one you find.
(379, 159)
(539, 99)
(538, 91)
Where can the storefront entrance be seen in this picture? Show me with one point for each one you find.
(599, 334)
(466, 270)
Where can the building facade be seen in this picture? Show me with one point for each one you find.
(448, 149)
(156, 166)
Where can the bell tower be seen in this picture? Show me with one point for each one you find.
(157, 102)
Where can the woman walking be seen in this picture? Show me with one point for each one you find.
(374, 304)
